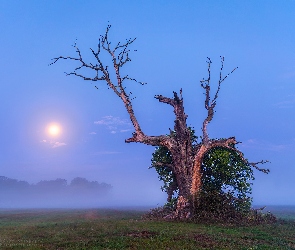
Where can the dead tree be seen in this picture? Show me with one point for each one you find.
(186, 159)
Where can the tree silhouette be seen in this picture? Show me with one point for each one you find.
(186, 157)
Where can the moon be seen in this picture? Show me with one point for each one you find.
(54, 129)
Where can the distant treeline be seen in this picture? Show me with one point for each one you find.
(53, 193)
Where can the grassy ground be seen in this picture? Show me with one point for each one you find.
(118, 229)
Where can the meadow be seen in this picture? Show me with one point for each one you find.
(125, 229)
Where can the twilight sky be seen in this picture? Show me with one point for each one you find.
(256, 103)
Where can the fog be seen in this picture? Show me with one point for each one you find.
(59, 193)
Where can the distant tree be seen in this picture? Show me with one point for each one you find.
(53, 184)
(79, 182)
(104, 186)
(51, 193)
(83, 183)
(12, 184)
(187, 159)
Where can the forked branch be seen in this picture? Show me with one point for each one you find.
(210, 104)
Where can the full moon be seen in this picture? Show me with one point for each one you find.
(54, 129)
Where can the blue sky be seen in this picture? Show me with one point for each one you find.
(256, 104)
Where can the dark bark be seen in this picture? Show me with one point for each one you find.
(186, 157)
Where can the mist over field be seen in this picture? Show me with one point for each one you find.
(52, 193)
(60, 193)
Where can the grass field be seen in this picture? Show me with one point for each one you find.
(124, 229)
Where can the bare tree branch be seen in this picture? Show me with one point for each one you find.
(210, 105)
(120, 56)
(264, 170)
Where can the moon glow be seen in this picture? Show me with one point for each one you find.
(54, 129)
